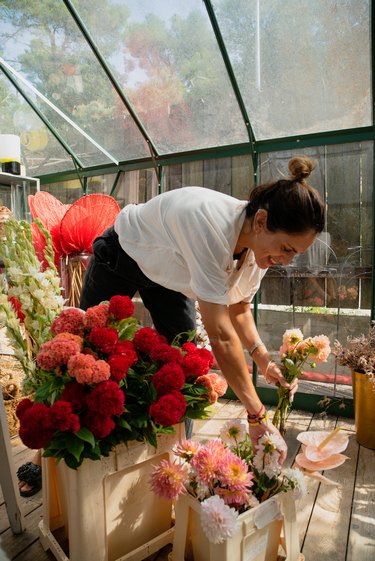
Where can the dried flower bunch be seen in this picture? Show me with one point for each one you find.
(358, 354)
(226, 476)
(104, 380)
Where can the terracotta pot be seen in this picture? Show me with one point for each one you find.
(364, 409)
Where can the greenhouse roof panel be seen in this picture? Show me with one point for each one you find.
(119, 81)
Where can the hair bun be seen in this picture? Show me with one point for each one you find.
(300, 167)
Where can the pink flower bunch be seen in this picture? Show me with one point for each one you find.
(106, 379)
(295, 352)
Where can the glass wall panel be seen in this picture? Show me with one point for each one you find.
(55, 58)
(327, 290)
(303, 66)
(40, 151)
(167, 59)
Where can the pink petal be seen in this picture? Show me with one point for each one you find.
(320, 477)
(312, 440)
(328, 463)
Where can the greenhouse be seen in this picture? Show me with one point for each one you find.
(105, 105)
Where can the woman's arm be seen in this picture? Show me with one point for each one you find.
(228, 350)
(244, 324)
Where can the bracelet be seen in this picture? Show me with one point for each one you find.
(259, 421)
(254, 347)
(259, 418)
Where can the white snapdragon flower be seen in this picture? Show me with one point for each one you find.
(219, 521)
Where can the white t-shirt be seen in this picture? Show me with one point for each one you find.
(184, 240)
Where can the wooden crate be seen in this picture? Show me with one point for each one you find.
(263, 529)
(105, 510)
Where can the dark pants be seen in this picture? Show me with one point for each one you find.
(112, 272)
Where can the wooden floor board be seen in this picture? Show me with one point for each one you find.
(335, 523)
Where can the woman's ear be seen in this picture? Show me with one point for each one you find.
(260, 220)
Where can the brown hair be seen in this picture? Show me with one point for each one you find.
(293, 206)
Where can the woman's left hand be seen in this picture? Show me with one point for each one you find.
(273, 375)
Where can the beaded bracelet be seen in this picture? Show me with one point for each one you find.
(259, 418)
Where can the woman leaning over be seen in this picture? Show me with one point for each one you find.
(198, 244)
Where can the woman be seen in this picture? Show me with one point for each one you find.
(198, 244)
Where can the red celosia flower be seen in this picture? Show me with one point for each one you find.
(169, 377)
(107, 398)
(98, 425)
(70, 320)
(104, 338)
(145, 339)
(33, 426)
(119, 365)
(120, 307)
(61, 417)
(169, 409)
(56, 353)
(17, 307)
(75, 394)
(162, 352)
(96, 316)
(126, 348)
(194, 365)
(23, 406)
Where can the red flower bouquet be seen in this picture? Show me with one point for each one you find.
(106, 380)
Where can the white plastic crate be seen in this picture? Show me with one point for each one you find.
(262, 530)
(105, 509)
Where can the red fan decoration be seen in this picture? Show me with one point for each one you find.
(85, 220)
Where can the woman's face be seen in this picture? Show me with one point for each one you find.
(279, 248)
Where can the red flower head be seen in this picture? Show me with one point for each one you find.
(96, 316)
(17, 307)
(119, 365)
(70, 320)
(106, 398)
(56, 353)
(162, 352)
(99, 426)
(120, 307)
(75, 394)
(23, 406)
(194, 365)
(169, 409)
(169, 377)
(126, 348)
(34, 431)
(145, 339)
(61, 417)
(104, 338)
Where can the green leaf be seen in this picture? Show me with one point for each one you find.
(84, 434)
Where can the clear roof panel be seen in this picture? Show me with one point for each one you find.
(172, 71)
(300, 63)
(43, 43)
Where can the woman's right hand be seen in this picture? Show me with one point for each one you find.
(259, 430)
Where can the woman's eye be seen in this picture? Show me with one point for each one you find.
(286, 250)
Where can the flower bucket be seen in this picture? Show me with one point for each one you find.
(105, 509)
(364, 409)
(263, 529)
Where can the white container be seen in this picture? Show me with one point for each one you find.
(263, 529)
(10, 153)
(106, 509)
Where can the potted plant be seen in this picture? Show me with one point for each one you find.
(359, 356)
